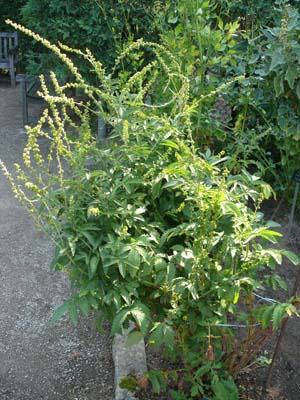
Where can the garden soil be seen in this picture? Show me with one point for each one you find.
(39, 361)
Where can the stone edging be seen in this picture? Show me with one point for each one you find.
(128, 361)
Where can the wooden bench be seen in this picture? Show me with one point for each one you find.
(9, 53)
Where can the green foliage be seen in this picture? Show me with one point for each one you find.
(149, 228)
(10, 10)
(281, 67)
(206, 50)
(267, 128)
(101, 26)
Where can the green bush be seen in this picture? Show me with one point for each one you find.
(101, 26)
(205, 48)
(266, 129)
(279, 67)
(148, 228)
(10, 10)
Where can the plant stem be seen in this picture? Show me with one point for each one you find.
(281, 335)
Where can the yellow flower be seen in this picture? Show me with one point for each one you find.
(93, 212)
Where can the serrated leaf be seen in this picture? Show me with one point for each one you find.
(221, 392)
(267, 316)
(278, 313)
(141, 315)
(133, 338)
(117, 324)
(133, 262)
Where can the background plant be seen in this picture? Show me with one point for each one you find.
(279, 66)
(205, 49)
(10, 10)
(101, 26)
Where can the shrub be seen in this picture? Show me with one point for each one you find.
(10, 9)
(101, 26)
(150, 229)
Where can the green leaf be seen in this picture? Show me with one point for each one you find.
(298, 90)
(225, 390)
(230, 208)
(99, 325)
(271, 236)
(84, 305)
(94, 240)
(278, 313)
(267, 316)
(194, 391)
(291, 74)
(202, 370)
(291, 256)
(155, 383)
(277, 59)
(168, 335)
(156, 337)
(122, 270)
(171, 270)
(117, 324)
(134, 338)
(60, 311)
(94, 261)
(141, 315)
(275, 254)
(73, 313)
(133, 261)
(174, 183)
(170, 143)
(156, 189)
(278, 85)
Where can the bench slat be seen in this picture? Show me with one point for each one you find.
(9, 41)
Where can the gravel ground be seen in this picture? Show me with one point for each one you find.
(39, 361)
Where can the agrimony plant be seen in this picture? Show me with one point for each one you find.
(149, 228)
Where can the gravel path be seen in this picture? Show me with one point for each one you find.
(39, 361)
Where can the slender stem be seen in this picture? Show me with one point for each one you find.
(281, 335)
